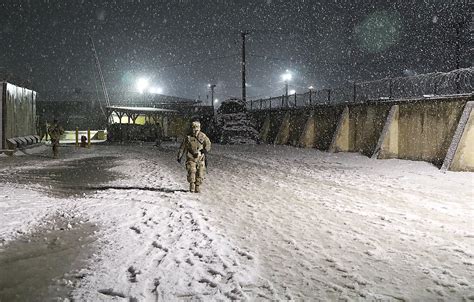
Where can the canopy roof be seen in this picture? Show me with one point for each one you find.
(139, 110)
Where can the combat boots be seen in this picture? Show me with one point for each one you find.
(197, 189)
(192, 188)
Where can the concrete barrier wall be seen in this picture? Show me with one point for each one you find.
(283, 133)
(265, 128)
(463, 150)
(276, 120)
(409, 129)
(259, 121)
(18, 112)
(319, 127)
(297, 124)
(387, 145)
(290, 126)
(427, 128)
(325, 123)
(366, 123)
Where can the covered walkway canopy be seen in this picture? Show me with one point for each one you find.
(132, 113)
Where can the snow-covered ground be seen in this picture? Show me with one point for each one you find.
(272, 223)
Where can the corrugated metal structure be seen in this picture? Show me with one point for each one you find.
(18, 112)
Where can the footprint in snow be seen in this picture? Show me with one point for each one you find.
(245, 254)
(136, 229)
(159, 246)
(133, 274)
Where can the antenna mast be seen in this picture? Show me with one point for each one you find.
(104, 89)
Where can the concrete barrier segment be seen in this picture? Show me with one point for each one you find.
(340, 140)
(284, 131)
(308, 136)
(460, 155)
(12, 143)
(387, 145)
(265, 129)
(426, 129)
(20, 142)
(29, 140)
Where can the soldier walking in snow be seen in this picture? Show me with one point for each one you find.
(195, 147)
(55, 131)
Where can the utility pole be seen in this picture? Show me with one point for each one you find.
(242, 35)
(212, 86)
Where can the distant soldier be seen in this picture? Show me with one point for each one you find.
(195, 147)
(43, 131)
(55, 131)
(158, 132)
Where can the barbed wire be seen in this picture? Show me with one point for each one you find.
(456, 82)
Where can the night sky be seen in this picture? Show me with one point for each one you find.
(182, 45)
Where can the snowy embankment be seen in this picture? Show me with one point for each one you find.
(275, 223)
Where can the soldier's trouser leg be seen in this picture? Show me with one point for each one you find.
(200, 173)
(191, 168)
(55, 150)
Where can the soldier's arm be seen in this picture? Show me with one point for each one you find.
(207, 144)
(182, 148)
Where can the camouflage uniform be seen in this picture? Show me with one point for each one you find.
(55, 131)
(195, 147)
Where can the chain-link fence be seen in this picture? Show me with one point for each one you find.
(460, 81)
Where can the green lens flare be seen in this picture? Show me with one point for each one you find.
(378, 31)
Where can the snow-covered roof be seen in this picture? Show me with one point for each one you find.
(140, 109)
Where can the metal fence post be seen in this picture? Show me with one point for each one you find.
(329, 96)
(295, 101)
(390, 89)
(310, 97)
(354, 92)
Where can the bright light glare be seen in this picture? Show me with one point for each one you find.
(286, 76)
(216, 100)
(156, 90)
(292, 91)
(311, 87)
(142, 85)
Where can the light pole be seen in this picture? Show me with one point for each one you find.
(310, 95)
(286, 77)
(212, 86)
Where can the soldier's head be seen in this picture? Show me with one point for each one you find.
(196, 126)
